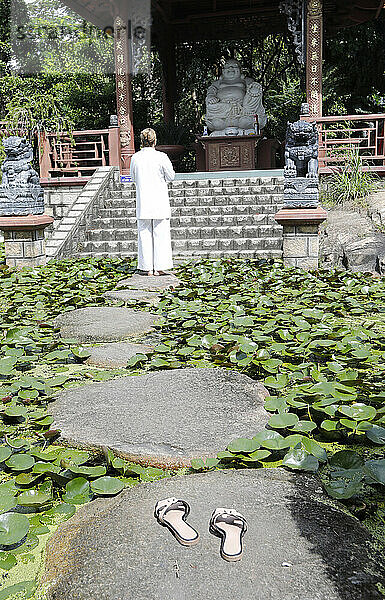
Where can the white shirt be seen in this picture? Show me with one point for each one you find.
(151, 170)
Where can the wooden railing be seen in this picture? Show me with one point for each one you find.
(340, 134)
(79, 154)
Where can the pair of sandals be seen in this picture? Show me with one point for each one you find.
(225, 523)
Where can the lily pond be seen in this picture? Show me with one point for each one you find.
(316, 340)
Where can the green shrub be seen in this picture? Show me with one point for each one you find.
(349, 183)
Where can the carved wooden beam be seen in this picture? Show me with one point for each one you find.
(314, 44)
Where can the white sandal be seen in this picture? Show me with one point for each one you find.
(230, 526)
(172, 513)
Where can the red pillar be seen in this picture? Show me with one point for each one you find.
(314, 42)
(123, 92)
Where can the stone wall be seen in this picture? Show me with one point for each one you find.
(59, 199)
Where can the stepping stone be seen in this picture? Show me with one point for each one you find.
(115, 355)
(154, 283)
(133, 296)
(300, 545)
(104, 323)
(163, 418)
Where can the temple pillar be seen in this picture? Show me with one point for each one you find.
(168, 60)
(124, 91)
(314, 43)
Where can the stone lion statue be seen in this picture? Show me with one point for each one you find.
(16, 168)
(20, 189)
(301, 150)
(232, 102)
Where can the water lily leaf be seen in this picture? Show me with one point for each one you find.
(304, 426)
(344, 488)
(20, 462)
(335, 389)
(283, 420)
(77, 491)
(243, 321)
(5, 452)
(60, 513)
(7, 364)
(273, 403)
(197, 464)
(347, 459)
(256, 456)
(26, 587)
(81, 353)
(211, 462)
(7, 562)
(225, 456)
(151, 474)
(13, 528)
(243, 445)
(376, 434)
(376, 470)
(15, 411)
(43, 467)
(77, 457)
(91, 472)
(107, 486)
(7, 501)
(313, 448)
(298, 458)
(25, 479)
(358, 412)
(349, 423)
(277, 443)
(278, 382)
(35, 498)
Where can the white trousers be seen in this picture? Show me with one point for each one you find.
(154, 245)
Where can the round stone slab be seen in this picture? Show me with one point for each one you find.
(133, 296)
(116, 354)
(299, 544)
(104, 323)
(152, 282)
(163, 418)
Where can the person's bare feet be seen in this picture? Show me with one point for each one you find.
(150, 273)
(160, 273)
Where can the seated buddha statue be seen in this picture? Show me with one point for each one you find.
(232, 102)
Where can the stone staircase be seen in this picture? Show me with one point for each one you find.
(210, 218)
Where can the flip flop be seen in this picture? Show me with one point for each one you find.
(230, 526)
(172, 513)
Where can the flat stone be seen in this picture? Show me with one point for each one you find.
(164, 417)
(152, 282)
(133, 296)
(299, 545)
(104, 323)
(115, 354)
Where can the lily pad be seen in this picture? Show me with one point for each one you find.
(13, 528)
(299, 459)
(20, 462)
(283, 420)
(243, 445)
(107, 486)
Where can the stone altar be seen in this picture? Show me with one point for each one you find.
(20, 189)
(232, 103)
(224, 153)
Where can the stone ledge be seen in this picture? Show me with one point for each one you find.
(293, 216)
(25, 223)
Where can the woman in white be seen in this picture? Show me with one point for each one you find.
(151, 170)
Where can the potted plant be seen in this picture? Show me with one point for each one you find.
(172, 138)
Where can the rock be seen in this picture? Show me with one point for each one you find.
(104, 323)
(164, 417)
(115, 355)
(299, 544)
(151, 283)
(350, 240)
(133, 296)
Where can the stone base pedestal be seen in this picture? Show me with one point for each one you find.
(301, 236)
(24, 240)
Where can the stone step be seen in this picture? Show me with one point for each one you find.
(207, 191)
(191, 255)
(127, 211)
(204, 201)
(180, 245)
(218, 220)
(199, 233)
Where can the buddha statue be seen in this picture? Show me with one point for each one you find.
(232, 102)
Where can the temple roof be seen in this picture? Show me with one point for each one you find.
(194, 20)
